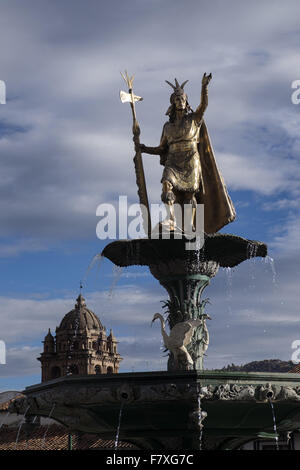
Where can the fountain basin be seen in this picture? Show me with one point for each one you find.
(223, 249)
(160, 409)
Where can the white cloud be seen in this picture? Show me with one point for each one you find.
(76, 151)
(22, 246)
(288, 239)
(29, 319)
(251, 173)
(21, 361)
(66, 143)
(282, 204)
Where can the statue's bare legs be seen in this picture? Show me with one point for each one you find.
(187, 201)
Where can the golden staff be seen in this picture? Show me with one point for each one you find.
(138, 162)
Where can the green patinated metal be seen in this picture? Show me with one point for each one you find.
(268, 435)
(159, 408)
(185, 304)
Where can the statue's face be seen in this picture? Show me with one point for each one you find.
(180, 101)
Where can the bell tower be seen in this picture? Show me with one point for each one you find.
(80, 346)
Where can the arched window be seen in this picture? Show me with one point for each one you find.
(110, 370)
(97, 369)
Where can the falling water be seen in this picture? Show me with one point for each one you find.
(117, 273)
(45, 433)
(251, 250)
(274, 422)
(251, 254)
(201, 416)
(229, 282)
(118, 428)
(198, 250)
(21, 424)
(270, 262)
(199, 420)
(99, 257)
(229, 272)
(32, 422)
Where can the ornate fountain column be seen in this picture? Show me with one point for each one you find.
(185, 281)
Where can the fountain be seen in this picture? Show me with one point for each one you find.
(185, 407)
(184, 273)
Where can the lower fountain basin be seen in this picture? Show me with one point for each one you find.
(160, 409)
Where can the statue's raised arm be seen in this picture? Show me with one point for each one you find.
(204, 97)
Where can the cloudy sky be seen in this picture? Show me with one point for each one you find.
(66, 147)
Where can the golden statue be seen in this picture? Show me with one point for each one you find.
(190, 172)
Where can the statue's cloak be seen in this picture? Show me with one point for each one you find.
(218, 206)
(212, 191)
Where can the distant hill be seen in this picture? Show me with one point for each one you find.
(267, 365)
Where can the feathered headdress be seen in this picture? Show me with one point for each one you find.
(178, 90)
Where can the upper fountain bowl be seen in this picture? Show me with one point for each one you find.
(224, 249)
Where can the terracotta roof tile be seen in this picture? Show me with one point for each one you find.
(5, 405)
(295, 370)
(54, 437)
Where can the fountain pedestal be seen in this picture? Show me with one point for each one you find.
(185, 272)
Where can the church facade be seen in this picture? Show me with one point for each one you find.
(80, 346)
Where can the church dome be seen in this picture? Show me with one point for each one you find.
(80, 318)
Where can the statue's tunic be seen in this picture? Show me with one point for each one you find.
(182, 160)
(190, 166)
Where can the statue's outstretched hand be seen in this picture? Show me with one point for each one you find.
(138, 147)
(206, 79)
